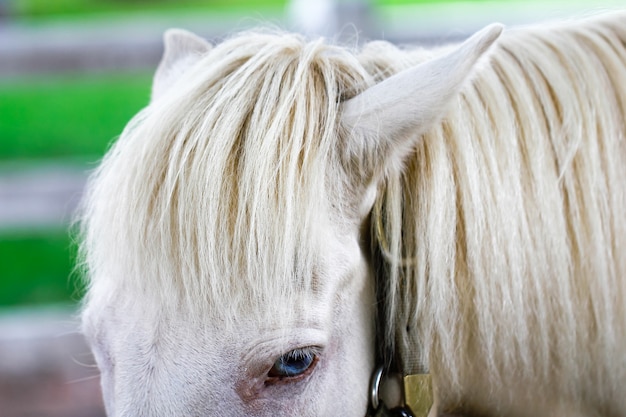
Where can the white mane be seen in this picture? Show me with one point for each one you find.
(212, 200)
(507, 230)
(503, 238)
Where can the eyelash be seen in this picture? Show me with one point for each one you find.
(293, 366)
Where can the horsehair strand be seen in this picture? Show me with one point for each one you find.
(511, 209)
(508, 227)
(204, 197)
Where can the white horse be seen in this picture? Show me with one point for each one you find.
(279, 197)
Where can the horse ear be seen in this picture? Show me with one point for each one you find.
(182, 49)
(385, 121)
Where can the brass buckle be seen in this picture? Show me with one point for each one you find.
(418, 396)
(418, 393)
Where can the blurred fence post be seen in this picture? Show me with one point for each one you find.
(335, 19)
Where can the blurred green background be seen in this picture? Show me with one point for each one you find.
(71, 118)
(64, 118)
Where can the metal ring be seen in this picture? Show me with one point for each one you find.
(374, 385)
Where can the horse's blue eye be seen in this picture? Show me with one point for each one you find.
(294, 363)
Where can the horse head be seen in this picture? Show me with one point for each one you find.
(225, 233)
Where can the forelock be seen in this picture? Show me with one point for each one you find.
(218, 190)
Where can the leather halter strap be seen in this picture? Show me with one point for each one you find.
(410, 361)
(416, 379)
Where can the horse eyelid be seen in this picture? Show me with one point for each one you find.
(310, 353)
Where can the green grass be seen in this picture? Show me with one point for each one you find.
(67, 116)
(37, 269)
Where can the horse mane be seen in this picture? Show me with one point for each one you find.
(503, 240)
(204, 196)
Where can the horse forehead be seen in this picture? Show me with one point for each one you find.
(338, 260)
